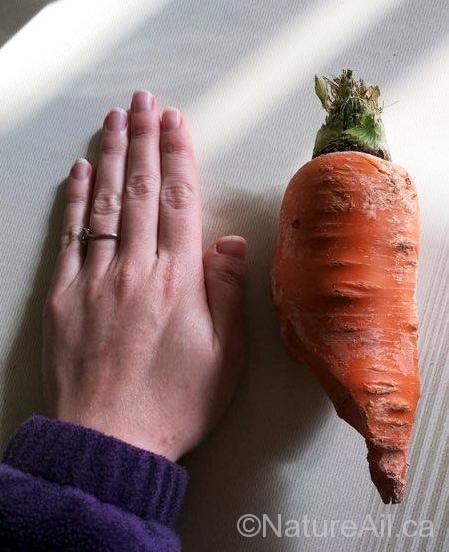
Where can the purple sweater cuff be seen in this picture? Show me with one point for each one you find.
(145, 484)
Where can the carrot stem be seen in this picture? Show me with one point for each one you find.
(353, 121)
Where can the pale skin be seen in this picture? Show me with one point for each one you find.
(143, 335)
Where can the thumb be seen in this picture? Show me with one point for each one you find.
(224, 273)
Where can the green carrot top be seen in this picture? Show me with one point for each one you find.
(353, 121)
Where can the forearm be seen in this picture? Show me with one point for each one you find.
(66, 487)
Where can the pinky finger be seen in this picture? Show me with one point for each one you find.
(76, 215)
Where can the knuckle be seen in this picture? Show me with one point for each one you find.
(173, 144)
(76, 199)
(230, 275)
(177, 193)
(142, 185)
(52, 307)
(76, 194)
(126, 277)
(172, 276)
(112, 146)
(143, 128)
(106, 203)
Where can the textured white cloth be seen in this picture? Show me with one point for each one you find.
(242, 71)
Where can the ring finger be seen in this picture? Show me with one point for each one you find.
(107, 195)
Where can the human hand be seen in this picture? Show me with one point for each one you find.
(143, 336)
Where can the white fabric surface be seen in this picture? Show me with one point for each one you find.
(242, 71)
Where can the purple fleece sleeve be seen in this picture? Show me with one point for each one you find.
(65, 487)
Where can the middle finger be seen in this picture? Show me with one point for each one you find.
(141, 196)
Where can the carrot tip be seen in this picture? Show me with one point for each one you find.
(388, 470)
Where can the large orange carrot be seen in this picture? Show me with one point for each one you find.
(344, 277)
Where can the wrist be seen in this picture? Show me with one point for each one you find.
(155, 441)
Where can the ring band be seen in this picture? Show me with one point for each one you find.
(88, 234)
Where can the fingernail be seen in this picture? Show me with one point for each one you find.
(81, 169)
(142, 101)
(117, 119)
(234, 246)
(171, 118)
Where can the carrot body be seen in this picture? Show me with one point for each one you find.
(343, 281)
